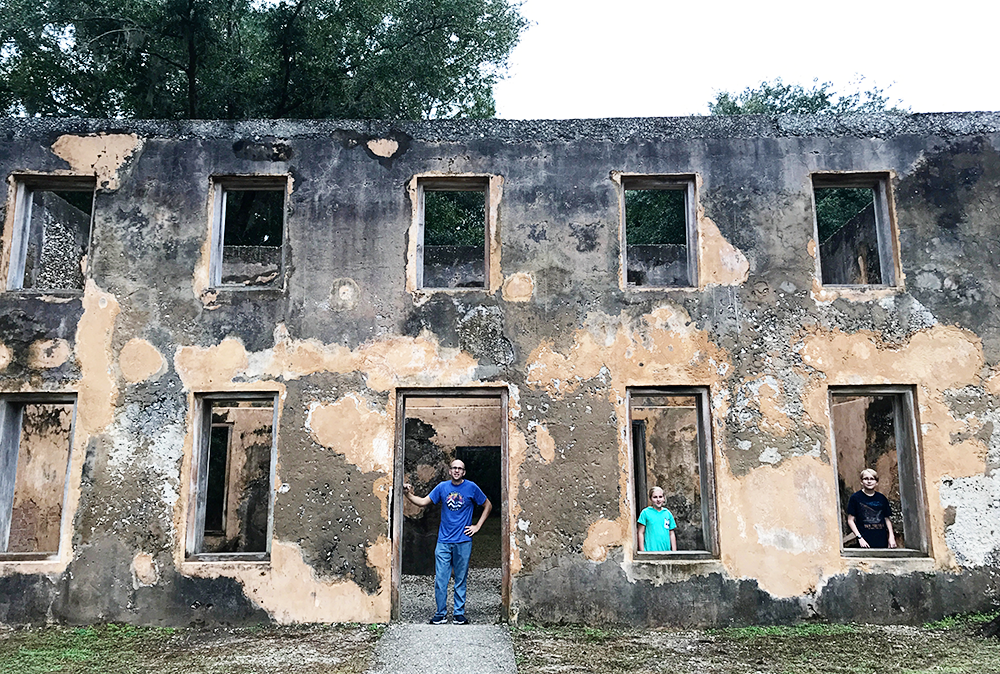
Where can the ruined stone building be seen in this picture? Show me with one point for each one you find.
(224, 345)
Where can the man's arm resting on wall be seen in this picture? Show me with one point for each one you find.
(421, 501)
(473, 528)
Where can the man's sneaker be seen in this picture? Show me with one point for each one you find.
(459, 620)
(438, 620)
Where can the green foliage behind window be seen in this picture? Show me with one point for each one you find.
(836, 206)
(655, 217)
(454, 218)
(254, 217)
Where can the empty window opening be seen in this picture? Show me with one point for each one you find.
(671, 450)
(234, 477)
(454, 233)
(250, 232)
(34, 461)
(52, 239)
(218, 477)
(852, 224)
(659, 232)
(438, 430)
(875, 429)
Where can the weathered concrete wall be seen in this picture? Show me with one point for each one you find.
(557, 326)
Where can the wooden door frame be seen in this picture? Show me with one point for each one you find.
(396, 498)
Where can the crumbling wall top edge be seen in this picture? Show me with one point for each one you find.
(623, 129)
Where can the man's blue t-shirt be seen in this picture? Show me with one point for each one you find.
(457, 502)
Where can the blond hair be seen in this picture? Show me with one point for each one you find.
(652, 489)
(869, 472)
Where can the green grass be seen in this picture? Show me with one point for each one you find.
(102, 648)
(961, 620)
(811, 648)
(785, 631)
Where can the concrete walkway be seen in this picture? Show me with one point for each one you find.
(444, 649)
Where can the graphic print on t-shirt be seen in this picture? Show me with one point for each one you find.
(871, 517)
(454, 501)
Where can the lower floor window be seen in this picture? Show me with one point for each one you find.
(671, 449)
(34, 462)
(875, 435)
(234, 476)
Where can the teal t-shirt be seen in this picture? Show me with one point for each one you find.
(659, 524)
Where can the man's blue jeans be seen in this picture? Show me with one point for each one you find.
(450, 557)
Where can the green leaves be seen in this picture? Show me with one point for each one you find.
(237, 59)
(655, 217)
(775, 97)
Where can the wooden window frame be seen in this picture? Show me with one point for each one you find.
(706, 469)
(685, 182)
(11, 410)
(194, 541)
(910, 465)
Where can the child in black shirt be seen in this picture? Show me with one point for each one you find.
(868, 514)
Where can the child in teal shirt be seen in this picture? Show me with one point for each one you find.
(656, 525)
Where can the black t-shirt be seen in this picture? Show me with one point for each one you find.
(870, 513)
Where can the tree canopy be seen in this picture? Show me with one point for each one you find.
(775, 97)
(243, 59)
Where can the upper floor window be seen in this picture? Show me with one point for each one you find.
(248, 232)
(853, 228)
(659, 233)
(51, 237)
(452, 244)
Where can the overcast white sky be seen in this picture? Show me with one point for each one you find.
(638, 58)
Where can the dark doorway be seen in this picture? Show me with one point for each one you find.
(437, 429)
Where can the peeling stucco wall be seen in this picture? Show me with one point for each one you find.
(348, 333)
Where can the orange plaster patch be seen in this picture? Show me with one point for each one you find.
(97, 390)
(414, 361)
(518, 287)
(210, 367)
(663, 346)
(289, 591)
(774, 420)
(383, 147)
(144, 570)
(139, 360)
(381, 489)
(348, 427)
(102, 154)
(545, 444)
(940, 357)
(992, 384)
(601, 535)
(720, 262)
(789, 544)
(48, 353)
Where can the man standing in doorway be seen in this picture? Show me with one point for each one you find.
(454, 544)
